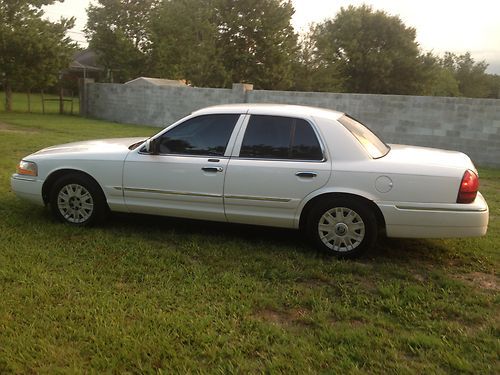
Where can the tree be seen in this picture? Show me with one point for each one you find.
(312, 74)
(184, 43)
(493, 86)
(443, 83)
(257, 41)
(118, 31)
(375, 52)
(438, 80)
(33, 51)
(471, 76)
(218, 42)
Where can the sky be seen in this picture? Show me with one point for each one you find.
(442, 25)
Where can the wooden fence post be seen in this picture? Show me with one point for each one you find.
(61, 101)
(43, 102)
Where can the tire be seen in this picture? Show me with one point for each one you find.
(342, 226)
(77, 200)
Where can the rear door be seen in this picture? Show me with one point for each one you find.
(277, 161)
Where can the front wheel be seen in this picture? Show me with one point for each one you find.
(77, 200)
(344, 227)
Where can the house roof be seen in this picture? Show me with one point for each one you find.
(85, 60)
(157, 82)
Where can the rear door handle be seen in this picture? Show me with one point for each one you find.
(306, 174)
(212, 169)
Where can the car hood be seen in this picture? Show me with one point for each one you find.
(98, 146)
(424, 156)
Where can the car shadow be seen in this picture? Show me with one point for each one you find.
(412, 251)
(280, 240)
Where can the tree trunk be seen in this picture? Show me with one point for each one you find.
(8, 97)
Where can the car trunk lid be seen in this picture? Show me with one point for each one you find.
(424, 156)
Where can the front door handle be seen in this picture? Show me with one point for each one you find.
(212, 169)
(306, 174)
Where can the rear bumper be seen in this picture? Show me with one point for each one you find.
(428, 220)
(27, 188)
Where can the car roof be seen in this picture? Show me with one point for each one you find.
(271, 109)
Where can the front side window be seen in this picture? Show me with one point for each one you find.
(276, 137)
(202, 135)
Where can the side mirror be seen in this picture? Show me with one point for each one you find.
(152, 146)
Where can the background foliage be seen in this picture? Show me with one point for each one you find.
(33, 51)
(217, 42)
(214, 43)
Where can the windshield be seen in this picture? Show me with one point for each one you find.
(372, 144)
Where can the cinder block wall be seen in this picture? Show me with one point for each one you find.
(468, 125)
(153, 105)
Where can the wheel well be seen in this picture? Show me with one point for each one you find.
(54, 176)
(307, 208)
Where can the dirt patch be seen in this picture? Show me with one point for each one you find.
(418, 276)
(481, 280)
(291, 317)
(357, 323)
(6, 128)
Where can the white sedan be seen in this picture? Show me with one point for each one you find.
(274, 165)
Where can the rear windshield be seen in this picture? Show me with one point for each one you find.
(372, 144)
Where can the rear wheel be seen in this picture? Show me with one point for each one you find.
(344, 227)
(78, 200)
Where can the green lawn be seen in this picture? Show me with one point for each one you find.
(147, 294)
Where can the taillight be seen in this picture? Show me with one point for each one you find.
(468, 187)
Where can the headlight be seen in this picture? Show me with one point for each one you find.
(27, 168)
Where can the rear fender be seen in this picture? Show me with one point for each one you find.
(330, 190)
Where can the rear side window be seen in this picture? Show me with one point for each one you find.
(202, 135)
(276, 137)
(372, 144)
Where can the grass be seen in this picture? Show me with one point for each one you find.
(20, 103)
(146, 294)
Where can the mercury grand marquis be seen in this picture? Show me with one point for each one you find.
(275, 165)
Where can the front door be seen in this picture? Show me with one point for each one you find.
(186, 178)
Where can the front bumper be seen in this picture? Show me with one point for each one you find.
(429, 220)
(27, 188)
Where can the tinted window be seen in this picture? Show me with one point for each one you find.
(274, 137)
(372, 144)
(202, 135)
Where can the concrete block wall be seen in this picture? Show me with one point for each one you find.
(152, 105)
(468, 125)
